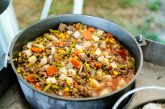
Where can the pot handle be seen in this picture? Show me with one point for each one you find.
(115, 106)
(139, 38)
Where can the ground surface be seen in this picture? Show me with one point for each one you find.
(137, 16)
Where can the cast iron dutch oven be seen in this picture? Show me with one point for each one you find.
(41, 100)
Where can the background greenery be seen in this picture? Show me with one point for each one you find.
(146, 17)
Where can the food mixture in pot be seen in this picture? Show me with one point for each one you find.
(76, 61)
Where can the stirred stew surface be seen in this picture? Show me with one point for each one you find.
(76, 61)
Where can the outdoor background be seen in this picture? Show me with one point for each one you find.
(146, 17)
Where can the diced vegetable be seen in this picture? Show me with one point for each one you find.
(87, 35)
(91, 29)
(69, 32)
(100, 59)
(29, 45)
(36, 50)
(86, 44)
(75, 62)
(98, 65)
(51, 37)
(99, 32)
(58, 64)
(51, 70)
(94, 82)
(99, 72)
(103, 44)
(47, 87)
(104, 92)
(95, 38)
(77, 34)
(63, 70)
(109, 77)
(66, 89)
(43, 61)
(114, 65)
(40, 46)
(53, 50)
(54, 31)
(71, 72)
(97, 52)
(38, 87)
(32, 59)
(122, 82)
(105, 61)
(69, 65)
(55, 87)
(30, 78)
(28, 52)
(79, 47)
(51, 80)
(62, 77)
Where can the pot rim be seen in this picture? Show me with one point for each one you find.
(75, 99)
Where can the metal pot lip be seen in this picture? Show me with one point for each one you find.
(7, 3)
(76, 99)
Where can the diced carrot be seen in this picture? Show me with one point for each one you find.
(76, 53)
(98, 65)
(30, 78)
(109, 35)
(97, 77)
(66, 94)
(59, 58)
(77, 26)
(36, 50)
(87, 35)
(75, 62)
(76, 85)
(37, 87)
(91, 29)
(51, 70)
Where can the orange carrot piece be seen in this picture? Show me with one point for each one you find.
(87, 35)
(75, 62)
(30, 78)
(66, 94)
(36, 50)
(37, 87)
(91, 29)
(59, 58)
(76, 53)
(51, 70)
(98, 65)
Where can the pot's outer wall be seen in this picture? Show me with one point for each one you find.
(41, 100)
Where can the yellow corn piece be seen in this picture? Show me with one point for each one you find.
(67, 82)
(116, 73)
(66, 89)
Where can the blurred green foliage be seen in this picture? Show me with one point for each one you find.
(126, 3)
(154, 5)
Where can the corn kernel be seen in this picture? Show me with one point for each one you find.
(66, 89)
(67, 82)
(115, 73)
(87, 65)
(18, 70)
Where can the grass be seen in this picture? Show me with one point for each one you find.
(130, 14)
(155, 5)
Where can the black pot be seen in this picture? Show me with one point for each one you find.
(41, 100)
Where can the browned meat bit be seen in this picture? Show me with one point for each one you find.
(62, 27)
(71, 28)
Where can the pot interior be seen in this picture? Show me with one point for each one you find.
(32, 32)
